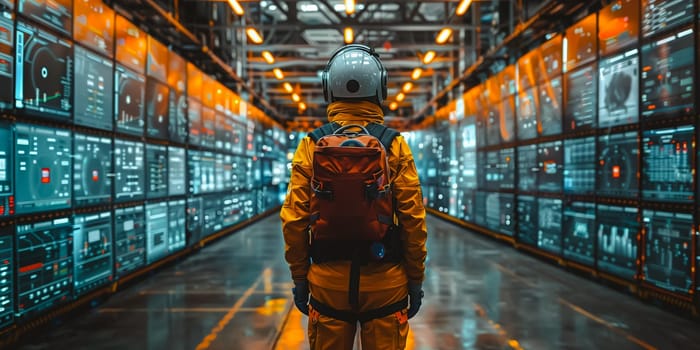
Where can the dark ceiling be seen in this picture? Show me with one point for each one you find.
(302, 35)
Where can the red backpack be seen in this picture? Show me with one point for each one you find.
(351, 205)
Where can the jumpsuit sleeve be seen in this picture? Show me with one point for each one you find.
(295, 213)
(410, 210)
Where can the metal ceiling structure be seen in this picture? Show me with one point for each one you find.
(303, 34)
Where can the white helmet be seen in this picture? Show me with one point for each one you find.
(354, 72)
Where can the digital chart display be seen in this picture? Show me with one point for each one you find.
(131, 45)
(176, 225)
(579, 232)
(224, 172)
(177, 171)
(668, 73)
(58, 14)
(208, 131)
(156, 231)
(95, 90)
(93, 26)
(43, 168)
(7, 198)
(618, 244)
(465, 205)
(528, 220)
(581, 42)
(7, 59)
(527, 168)
(157, 108)
(618, 26)
(581, 99)
(195, 216)
(177, 116)
(92, 251)
(129, 239)
(668, 164)
(129, 101)
(44, 65)
(202, 171)
(550, 162)
(157, 60)
(550, 107)
(551, 62)
(194, 121)
(92, 170)
(668, 250)
(618, 90)
(618, 165)
(500, 213)
(527, 113)
(7, 273)
(549, 225)
(129, 158)
(224, 131)
(44, 265)
(579, 165)
(156, 171)
(498, 169)
(662, 15)
(212, 214)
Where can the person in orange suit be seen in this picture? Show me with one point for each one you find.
(389, 292)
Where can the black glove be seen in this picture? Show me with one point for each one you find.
(415, 297)
(301, 296)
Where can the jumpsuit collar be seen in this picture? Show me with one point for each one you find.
(361, 112)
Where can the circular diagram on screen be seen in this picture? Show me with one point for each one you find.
(46, 76)
(93, 175)
(129, 101)
(45, 175)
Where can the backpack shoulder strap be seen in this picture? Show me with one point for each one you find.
(385, 134)
(325, 129)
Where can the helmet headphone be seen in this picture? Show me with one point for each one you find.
(367, 49)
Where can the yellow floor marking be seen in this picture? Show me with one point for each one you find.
(481, 312)
(174, 309)
(206, 342)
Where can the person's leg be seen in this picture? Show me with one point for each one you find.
(389, 332)
(326, 333)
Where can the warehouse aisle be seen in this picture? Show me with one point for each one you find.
(480, 294)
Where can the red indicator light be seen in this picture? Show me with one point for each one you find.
(616, 171)
(95, 176)
(45, 175)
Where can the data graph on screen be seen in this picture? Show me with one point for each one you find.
(668, 250)
(668, 164)
(661, 15)
(581, 99)
(129, 159)
(528, 220)
(95, 92)
(92, 251)
(129, 239)
(618, 245)
(580, 165)
(7, 198)
(579, 232)
(549, 225)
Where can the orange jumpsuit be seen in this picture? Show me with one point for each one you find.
(381, 284)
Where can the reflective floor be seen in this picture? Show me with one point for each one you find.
(480, 294)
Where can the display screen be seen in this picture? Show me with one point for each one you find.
(208, 131)
(528, 71)
(579, 238)
(466, 177)
(579, 166)
(224, 172)
(156, 171)
(506, 113)
(550, 162)
(527, 168)
(156, 231)
(550, 107)
(129, 170)
(581, 43)
(465, 205)
(92, 170)
(92, 251)
(194, 121)
(618, 164)
(527, 108)
(7, 198)
(500, 213)
(44, 66)
(176, 222)
(7, 58)
(129, 101)
(157, 108)
(7, 273)
(507, 80)
(42, 168)
(233, 210)
(176, 171)
(58, 14)
(618, 90)
(669, 238)
(195, 212)
(617, 240)
(581, 99)
(7, 4)
(224, 132)
(619, 26)
(44, 265)
(177, 72)
(177, 116)
(129, 239)
(157, 60)
(131, 45)
(668, 72)
(499, 169)
(661, 15)
(95, 91)
(668, 164)
(551, 62)
(527, 220)
(213, 213)
(93, 26)
(201, 168)
(549, 225)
